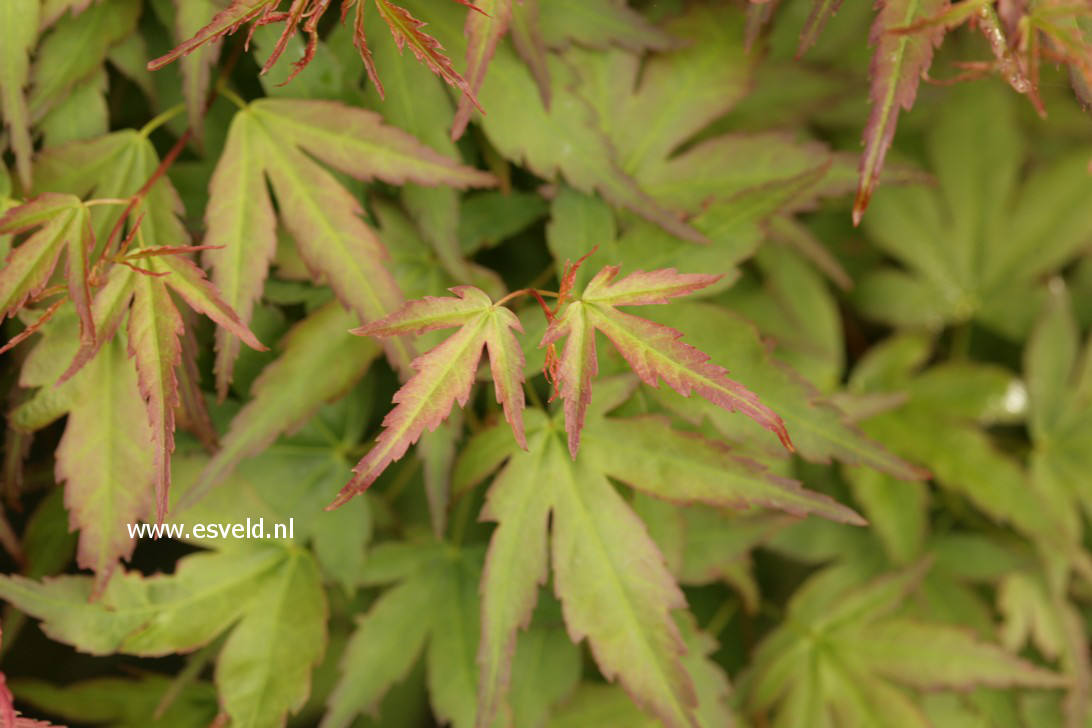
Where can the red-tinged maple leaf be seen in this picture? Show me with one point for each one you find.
(361, 41)
(897, 66)
(64, 224)
(821, 12)
(155, 328)
(483, 32)
(445, 374)
(226, 22)
(652, 350)
(407, 32)
(305, 15)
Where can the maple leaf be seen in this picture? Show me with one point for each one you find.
(445, 374)
(64, 225)
(105, 461)
(271, 599)
(522, 129)
(600, 24)
(407, 32)
(844, 656)
(267, 140)
(118, 165)
(977, 246)
(75, 49)
(306, 14)
(821, 12)
(596, 539)
(283, 397)
(484, 31)
(897, 66)
(190, 15)
(225, 22)
(401, 625)
(19, 20)
(652, 350)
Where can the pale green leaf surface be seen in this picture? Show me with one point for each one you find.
(264, 668)
(19, 20)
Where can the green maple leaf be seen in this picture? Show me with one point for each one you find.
(1059, 388)
(403, 623)
(522, 129)
(821, 431)
(976, 247)
(122, 702)
(268, 139)
(599, 24)
(611, 578)
(283, 397)
(19, 21)
(271, 594)
(315, 456)
(940, 423)
(844, 657)
(75, 48)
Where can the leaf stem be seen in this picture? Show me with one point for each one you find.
(532, 394)
(106, 201)
(161, 119)
(722, 616)
(230, 95)
(525, 292)
(459, 519)
(195, 663)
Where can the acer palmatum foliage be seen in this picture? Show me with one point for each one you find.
(445, 374)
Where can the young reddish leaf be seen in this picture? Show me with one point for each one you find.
(108, 307)
(484, 30)
(240, 221)
(361, 41)
(226, 22)
(506, 362)
(7, 702)
(444, 375)
(574, 370)
(643, 288)
(322, 216)
(324, 219)
(189, 282)
(407, 31)
(19, 33)
(154, 329)
(104, 460)
(651, 349)
(65, 225)
(821, 12)
(430, 314)
(358, 143)
(897, 66)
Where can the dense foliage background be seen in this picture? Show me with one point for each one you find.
(569, 546)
